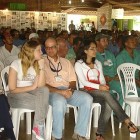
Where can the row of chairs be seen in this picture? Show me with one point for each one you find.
(128, 70)
(17, 113)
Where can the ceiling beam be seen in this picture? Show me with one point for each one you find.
(122, 5)
(68, 10)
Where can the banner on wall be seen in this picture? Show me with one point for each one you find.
(117, 13)
(32, 19)
(104, 17)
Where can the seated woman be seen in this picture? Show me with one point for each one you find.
(26, 85)
(91, 80)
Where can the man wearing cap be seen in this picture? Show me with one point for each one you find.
(8, 49)
(36, 36)
(33, 35)
(130, 55)
(109, 65)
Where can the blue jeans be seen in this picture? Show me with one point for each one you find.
(59, 103)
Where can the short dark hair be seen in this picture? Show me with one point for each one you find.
(76, 40)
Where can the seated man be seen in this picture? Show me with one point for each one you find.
(109, 65)
(8, 49)
(130, 55)
(71, 54)
(63, 49)
(61, 81)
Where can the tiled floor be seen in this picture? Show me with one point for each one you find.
(121, 134)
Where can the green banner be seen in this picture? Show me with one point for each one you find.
(17, 6)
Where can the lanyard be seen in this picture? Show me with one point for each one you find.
(54, 69)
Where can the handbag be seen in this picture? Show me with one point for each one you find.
(92, 81)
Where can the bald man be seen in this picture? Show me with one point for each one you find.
(61, 81)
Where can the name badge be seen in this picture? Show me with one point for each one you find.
(58, 78)
(108, 62)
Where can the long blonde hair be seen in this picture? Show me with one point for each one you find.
(27, 56)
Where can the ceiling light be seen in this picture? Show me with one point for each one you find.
(83, 0)
(69, 1)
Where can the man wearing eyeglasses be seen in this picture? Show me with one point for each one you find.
(61, 81)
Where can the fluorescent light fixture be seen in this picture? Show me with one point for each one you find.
(69, 1)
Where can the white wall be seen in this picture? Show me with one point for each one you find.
(77, 19)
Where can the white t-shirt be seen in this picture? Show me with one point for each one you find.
(82, 69)
(4, 54)
(23, 81)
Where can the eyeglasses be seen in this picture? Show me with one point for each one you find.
(92, 49)
(50, 48)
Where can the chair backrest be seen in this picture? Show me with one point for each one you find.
(126, 73)
(4, 77)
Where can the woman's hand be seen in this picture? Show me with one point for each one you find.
(35, 84)
(108, 78)
(104, 87)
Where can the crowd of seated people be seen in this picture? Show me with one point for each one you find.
(101, 53)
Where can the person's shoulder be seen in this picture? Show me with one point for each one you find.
(137, 52)
(15, 47)
(79, 62)
(64, 61)
(110, 53)
(2, 47)
(122, 53)
(98, 63)
(16, 62)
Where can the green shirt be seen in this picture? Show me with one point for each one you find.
(71, 54)
(108, 63)
(124, 57)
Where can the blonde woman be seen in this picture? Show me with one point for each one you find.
(26, 84)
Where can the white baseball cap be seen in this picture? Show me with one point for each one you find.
(33, 35)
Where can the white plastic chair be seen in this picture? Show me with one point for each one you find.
(126, 73)
(17, 112)
(95, 110)
(50, 120)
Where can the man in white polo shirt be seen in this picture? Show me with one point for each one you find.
(8, 49)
